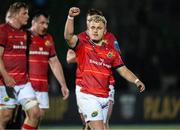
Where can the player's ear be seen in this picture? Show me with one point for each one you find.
(104, 31)
(32, 22)
(88, 28)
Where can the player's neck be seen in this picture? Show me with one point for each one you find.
(15, 24)
(33, 30)
(98, 42)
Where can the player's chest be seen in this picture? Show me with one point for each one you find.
(99, 54)
(17, 39)
(39, 47)
(40, 44)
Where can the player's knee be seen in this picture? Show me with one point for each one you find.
(42, 113)
(34, 113)
(31, 106)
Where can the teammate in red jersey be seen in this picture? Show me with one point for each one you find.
(95, 60)
(14, 85)
(41, 54)
(71, 58)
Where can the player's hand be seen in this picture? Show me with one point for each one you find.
(65, 92)
(140, 86)
(74, 11)
(71, 56)
(9, 81)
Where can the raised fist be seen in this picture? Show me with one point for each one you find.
(74, 11)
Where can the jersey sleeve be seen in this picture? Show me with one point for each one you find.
(52, 48)
(117, 62)
(79, 44)
(3, 37)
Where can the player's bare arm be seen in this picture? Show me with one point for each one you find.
(9, 81)
(69, 27)
(131, 77)
(57, 70)
(71, 56)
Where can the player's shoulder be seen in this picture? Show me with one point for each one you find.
(109, 35)
(3, 26)
(46, 37)
(4, 29)
(82, 35)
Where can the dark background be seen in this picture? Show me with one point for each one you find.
(148, 34)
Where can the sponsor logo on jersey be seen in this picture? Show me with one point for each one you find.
(94, 114)
(39, 52)
(101, 63)
(19, 46)
(18, 37)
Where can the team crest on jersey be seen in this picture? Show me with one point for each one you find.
(47, 43)
(94, 114)
(110, 54)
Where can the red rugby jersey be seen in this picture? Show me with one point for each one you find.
(109, 39)
(40, 50)
(14, 57)
(95, 64)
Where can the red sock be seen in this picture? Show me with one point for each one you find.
(28, 127)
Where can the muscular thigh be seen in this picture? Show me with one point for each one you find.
(6, 113)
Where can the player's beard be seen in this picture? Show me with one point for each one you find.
(44, 31)
(96, 41)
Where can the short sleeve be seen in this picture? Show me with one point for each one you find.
(118, 62)
(3, 37)
(52, 52)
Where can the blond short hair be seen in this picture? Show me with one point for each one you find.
(15, 8)
(98, 18)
